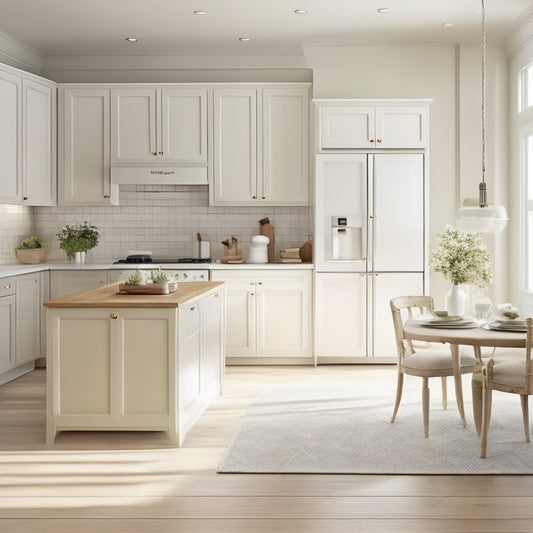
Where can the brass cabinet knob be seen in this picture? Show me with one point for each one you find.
(371, 140)
(154, 153)
(160, 153)
(379, 140)
(113, 316)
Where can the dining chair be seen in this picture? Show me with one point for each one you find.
(509, 376)
(426, 360)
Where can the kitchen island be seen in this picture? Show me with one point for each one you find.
(134, 362)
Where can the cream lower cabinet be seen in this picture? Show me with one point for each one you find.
(21, 316)
(151, 369)
(7, 324)
(268, 316)
(28, 314)
(63, 282)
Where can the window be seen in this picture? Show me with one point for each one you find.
(528, 168)
(525, 85)
(526, 204)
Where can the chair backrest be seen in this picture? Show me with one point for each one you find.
(529, 346)
(527, 369)
(404, 308)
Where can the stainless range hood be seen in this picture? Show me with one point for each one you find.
(163, 175)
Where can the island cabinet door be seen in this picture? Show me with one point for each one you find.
(145, 349)
(212, 364)
(189, 319)
(111, 369)
(79, 380)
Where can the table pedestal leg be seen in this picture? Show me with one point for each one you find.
(456, 367)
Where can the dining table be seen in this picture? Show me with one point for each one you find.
(477, 337)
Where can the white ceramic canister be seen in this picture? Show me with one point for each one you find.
(258, 249)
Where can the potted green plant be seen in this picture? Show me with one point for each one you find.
(134, 279)
(462, 258)
(30, 251)
(78, 238)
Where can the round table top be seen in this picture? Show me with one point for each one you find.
(477, 336)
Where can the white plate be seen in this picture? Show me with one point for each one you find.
(457, 325)
(493, 327)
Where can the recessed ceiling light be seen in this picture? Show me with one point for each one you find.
(200, 12)
(384, 10)
(447, 25)
(131, 39)
(300, 11)
(245, 39)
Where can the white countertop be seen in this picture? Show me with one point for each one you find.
(16, 269)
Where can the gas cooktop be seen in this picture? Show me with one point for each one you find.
(142, 258)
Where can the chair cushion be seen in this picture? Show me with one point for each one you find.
(436, 360)
(510, 373)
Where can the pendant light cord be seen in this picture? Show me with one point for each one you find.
(482, 185)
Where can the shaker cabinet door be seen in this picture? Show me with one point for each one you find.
(133, 126)
(10, 138)
(84, 176)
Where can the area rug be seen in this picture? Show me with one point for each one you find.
(344, 428)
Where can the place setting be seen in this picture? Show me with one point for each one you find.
(508, 320)
(445, 321)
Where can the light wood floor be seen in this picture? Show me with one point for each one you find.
(136, 482)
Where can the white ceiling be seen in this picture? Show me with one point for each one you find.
(169, 27)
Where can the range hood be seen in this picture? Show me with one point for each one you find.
(163, 175)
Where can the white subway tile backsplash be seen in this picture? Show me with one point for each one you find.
(164, 219)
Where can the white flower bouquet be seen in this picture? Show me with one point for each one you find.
(462, 257)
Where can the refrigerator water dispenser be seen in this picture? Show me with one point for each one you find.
(346, 238)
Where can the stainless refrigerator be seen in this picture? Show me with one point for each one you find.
(369, 247)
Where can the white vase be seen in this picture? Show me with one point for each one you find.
(79, 257)
(456, 301)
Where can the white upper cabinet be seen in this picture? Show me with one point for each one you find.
(360, 124)
(285, 168)
(84, 177)
(27, 139)
(158, 126)
(261, 146)
(10, 138)
(235, 148)
(39, 175)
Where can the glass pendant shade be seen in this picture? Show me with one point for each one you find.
(476, 219)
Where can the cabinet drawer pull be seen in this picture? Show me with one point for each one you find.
(113, 316)
(371, 140)
(260, 283)
(160, 153)
(193, 308)
(379, 140)
(154, 153)
(216, 295)
(106, 196)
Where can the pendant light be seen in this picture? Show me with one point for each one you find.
(483, 218)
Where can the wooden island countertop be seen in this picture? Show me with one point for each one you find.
(108, 296)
